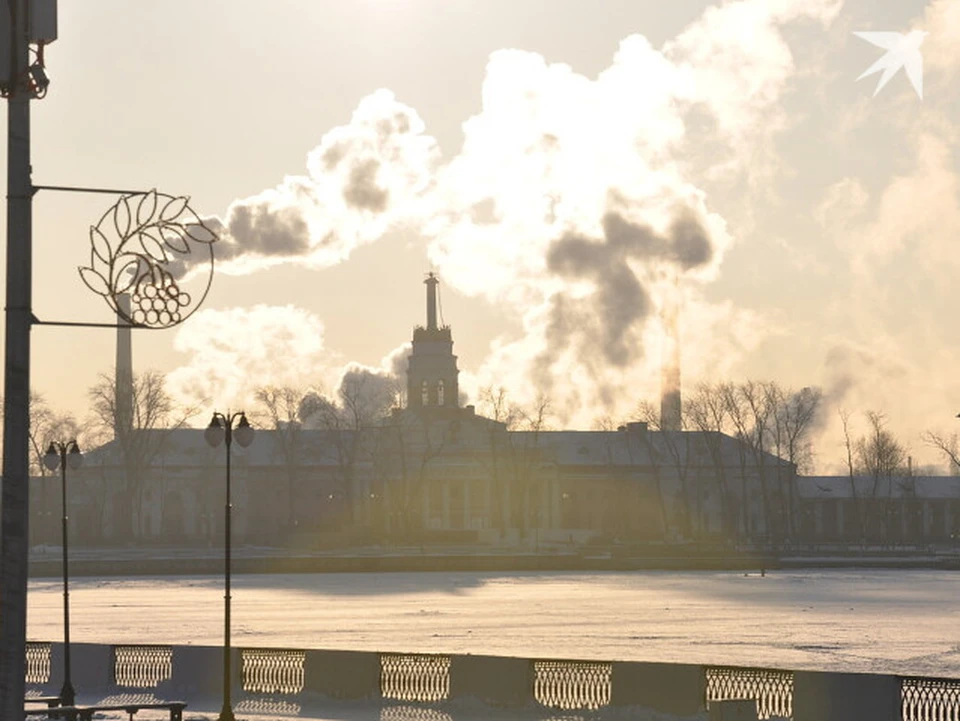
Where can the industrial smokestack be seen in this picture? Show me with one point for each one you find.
(670, 405)
(123, 373)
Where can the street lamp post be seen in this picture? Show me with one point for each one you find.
(62, 455)
(220, 428)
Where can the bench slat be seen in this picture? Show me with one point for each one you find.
(85, 713)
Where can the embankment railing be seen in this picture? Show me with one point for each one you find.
(269, 678)
(771, 688)
(929, 699)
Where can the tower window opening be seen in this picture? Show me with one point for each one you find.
(440, 393)
(424, 393)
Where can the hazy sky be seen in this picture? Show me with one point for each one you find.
(559, 163)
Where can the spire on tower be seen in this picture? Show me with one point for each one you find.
(431, 282)
(432, 368)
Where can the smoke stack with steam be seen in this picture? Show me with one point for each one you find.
(123, 373)
(670, 408)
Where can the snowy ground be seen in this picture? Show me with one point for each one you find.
(834, 620)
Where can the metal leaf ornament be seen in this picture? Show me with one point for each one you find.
(142, 247)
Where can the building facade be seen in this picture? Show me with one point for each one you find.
(891, 511)
(434, 471)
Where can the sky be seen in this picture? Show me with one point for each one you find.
(568, 169)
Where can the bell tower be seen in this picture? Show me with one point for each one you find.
(432, 370)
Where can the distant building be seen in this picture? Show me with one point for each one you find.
(887, 511)
(437, 472)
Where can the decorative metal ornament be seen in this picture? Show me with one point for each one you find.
(144, 247)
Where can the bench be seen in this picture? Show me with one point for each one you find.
(85, 713)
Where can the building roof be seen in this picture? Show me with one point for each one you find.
(635, 446)
(629, 446)
(186, 446)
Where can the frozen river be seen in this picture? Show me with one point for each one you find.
(870, 620)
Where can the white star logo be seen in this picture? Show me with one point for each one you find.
(903, 51)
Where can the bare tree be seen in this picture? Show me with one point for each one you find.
(882, 458)
(852, 473)
(879, 454)
(737, 410)
(154, 417)
(536, 418)
(47, 425)
(799, 417)
(793, 414)
(948, 446)
(278, 408)
(495, 405)
(406, 446)
(706, 411)
(604, 423)
(525, 460)
(679, 447)
(366, 397)
(515, 458)
(647, 413)
(353, 419)
(95, 479)
(848, 444)
(363, 402)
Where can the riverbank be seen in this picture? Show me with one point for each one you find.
(47, 562)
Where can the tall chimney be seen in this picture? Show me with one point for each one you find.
(670, 404)
(123, 373)
(431, 282)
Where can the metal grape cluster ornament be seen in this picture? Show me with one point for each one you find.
(144, 247)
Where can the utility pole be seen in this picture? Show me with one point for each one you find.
(25, 26)
(14, 518)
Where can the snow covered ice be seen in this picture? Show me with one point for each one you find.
(879, 621)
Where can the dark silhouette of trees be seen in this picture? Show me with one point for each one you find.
(278, 410)
(879, 459)
(153, 418)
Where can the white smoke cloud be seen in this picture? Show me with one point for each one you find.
(941, 20)
(363, 178)
(361, 394)
(573, 203)
(234, 351)
(883, 376)
(916, 212)
(739, 65)
(576, 201)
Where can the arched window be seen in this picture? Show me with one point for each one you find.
(424, 394)
(440, 393)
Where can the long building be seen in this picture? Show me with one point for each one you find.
(433, 471)
(890, 511)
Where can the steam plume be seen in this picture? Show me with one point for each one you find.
(571, 202)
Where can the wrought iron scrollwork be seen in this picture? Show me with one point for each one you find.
(38, 662)
(572, 685)
(929, 699)
(424, 678)
(771, 688)
(272, 670)
(142, 247)
(142, 666)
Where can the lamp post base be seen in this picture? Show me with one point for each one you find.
(67, 694)
(226, 714)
